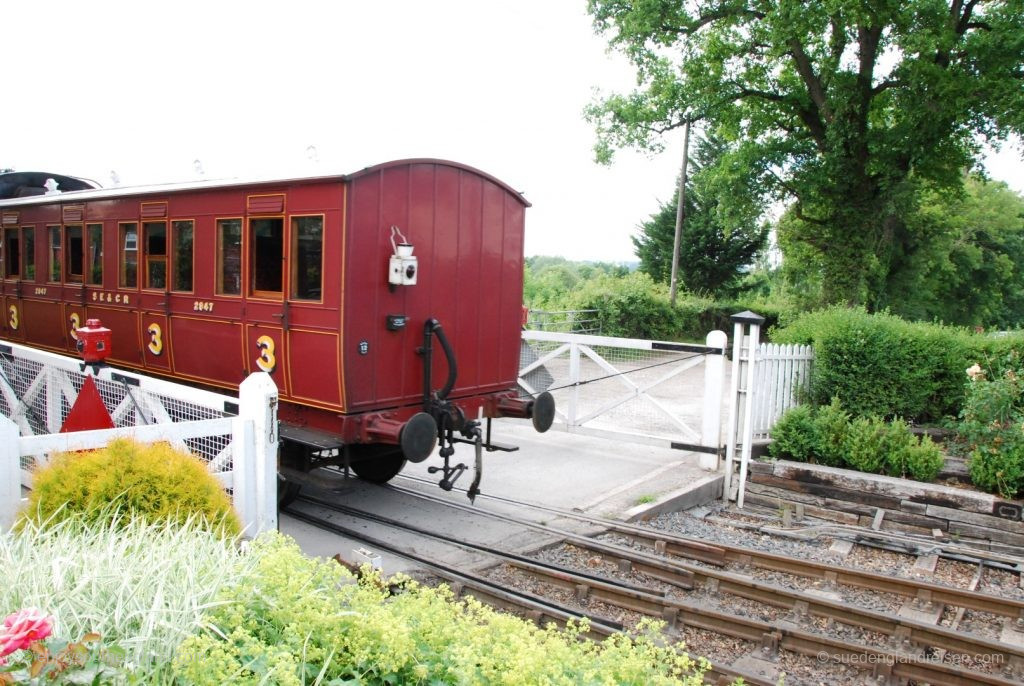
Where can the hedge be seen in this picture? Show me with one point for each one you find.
(880, 365)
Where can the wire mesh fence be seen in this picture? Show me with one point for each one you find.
(39, 396)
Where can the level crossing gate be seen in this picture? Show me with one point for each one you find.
(235, 435)
(643, 391)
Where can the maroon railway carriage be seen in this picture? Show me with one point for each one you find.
(385, 304)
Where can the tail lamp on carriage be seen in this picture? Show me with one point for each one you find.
(402, 265)
(93, 342)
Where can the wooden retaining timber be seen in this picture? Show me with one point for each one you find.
(886, 503)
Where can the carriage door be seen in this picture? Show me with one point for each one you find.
(14, 260)
(266, 311)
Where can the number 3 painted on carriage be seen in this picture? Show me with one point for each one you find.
(266, 361)
(156, 340)
(76, 324)
(13, 319)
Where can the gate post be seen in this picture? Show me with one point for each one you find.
(714, 386)
(744, 354)
(257, 402)
(10, 473)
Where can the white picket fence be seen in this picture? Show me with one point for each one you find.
(235, 436)
(781, 373)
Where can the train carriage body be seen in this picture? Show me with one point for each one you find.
(209, 282)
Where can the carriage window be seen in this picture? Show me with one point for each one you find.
(181, 255)
(229, 256)
(129, 242)
(156, 253)
(73, 249)
(266, 254)
(54, 253)
(29, 254)
(95, 253)
(307, 263)
(12, 253)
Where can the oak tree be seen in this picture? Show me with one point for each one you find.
(838, 108)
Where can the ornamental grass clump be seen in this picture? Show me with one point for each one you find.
(143, 588)
(296, 620)
(127, 481)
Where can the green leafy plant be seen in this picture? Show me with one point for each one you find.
(992, 426)
(831, 423)
(865, 443)
(296, 620)
(924, 459)
(827, 435)
(794, 435)
(129, 480)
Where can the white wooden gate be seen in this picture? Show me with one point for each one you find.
(631, 389)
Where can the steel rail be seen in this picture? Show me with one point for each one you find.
(694, 614)
(535, 608)
(533, 605)
(740, 585)
(720, 554)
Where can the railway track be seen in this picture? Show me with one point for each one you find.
(684, 582)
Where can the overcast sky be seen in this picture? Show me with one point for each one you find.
(145, 89)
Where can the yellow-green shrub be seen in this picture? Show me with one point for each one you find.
(296, 620)
(129, 480)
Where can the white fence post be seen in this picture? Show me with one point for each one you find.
(714, 386)
(257, 403)
(10, 473)
(243, 475)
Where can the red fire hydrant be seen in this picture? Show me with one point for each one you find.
(93, 342)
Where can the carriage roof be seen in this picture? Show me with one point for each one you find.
(84, 193)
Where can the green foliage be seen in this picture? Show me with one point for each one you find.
(828, 436)
(997, 464)
(712, 254)
(992, 424)
(831, 424)
(548, 281)
(794, 436)
(127, 481)
(881, 365)
(632, 306)
(867, 439)
(838, 109)
(924, 459)
(965, 266)
(297, 620)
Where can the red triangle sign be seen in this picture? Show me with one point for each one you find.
(88, 412)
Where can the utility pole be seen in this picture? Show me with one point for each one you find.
(680, 215)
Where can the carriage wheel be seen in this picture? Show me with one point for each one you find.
(287, 491)
(379, 464)
(289, 454)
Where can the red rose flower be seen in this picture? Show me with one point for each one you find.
(23, 628)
